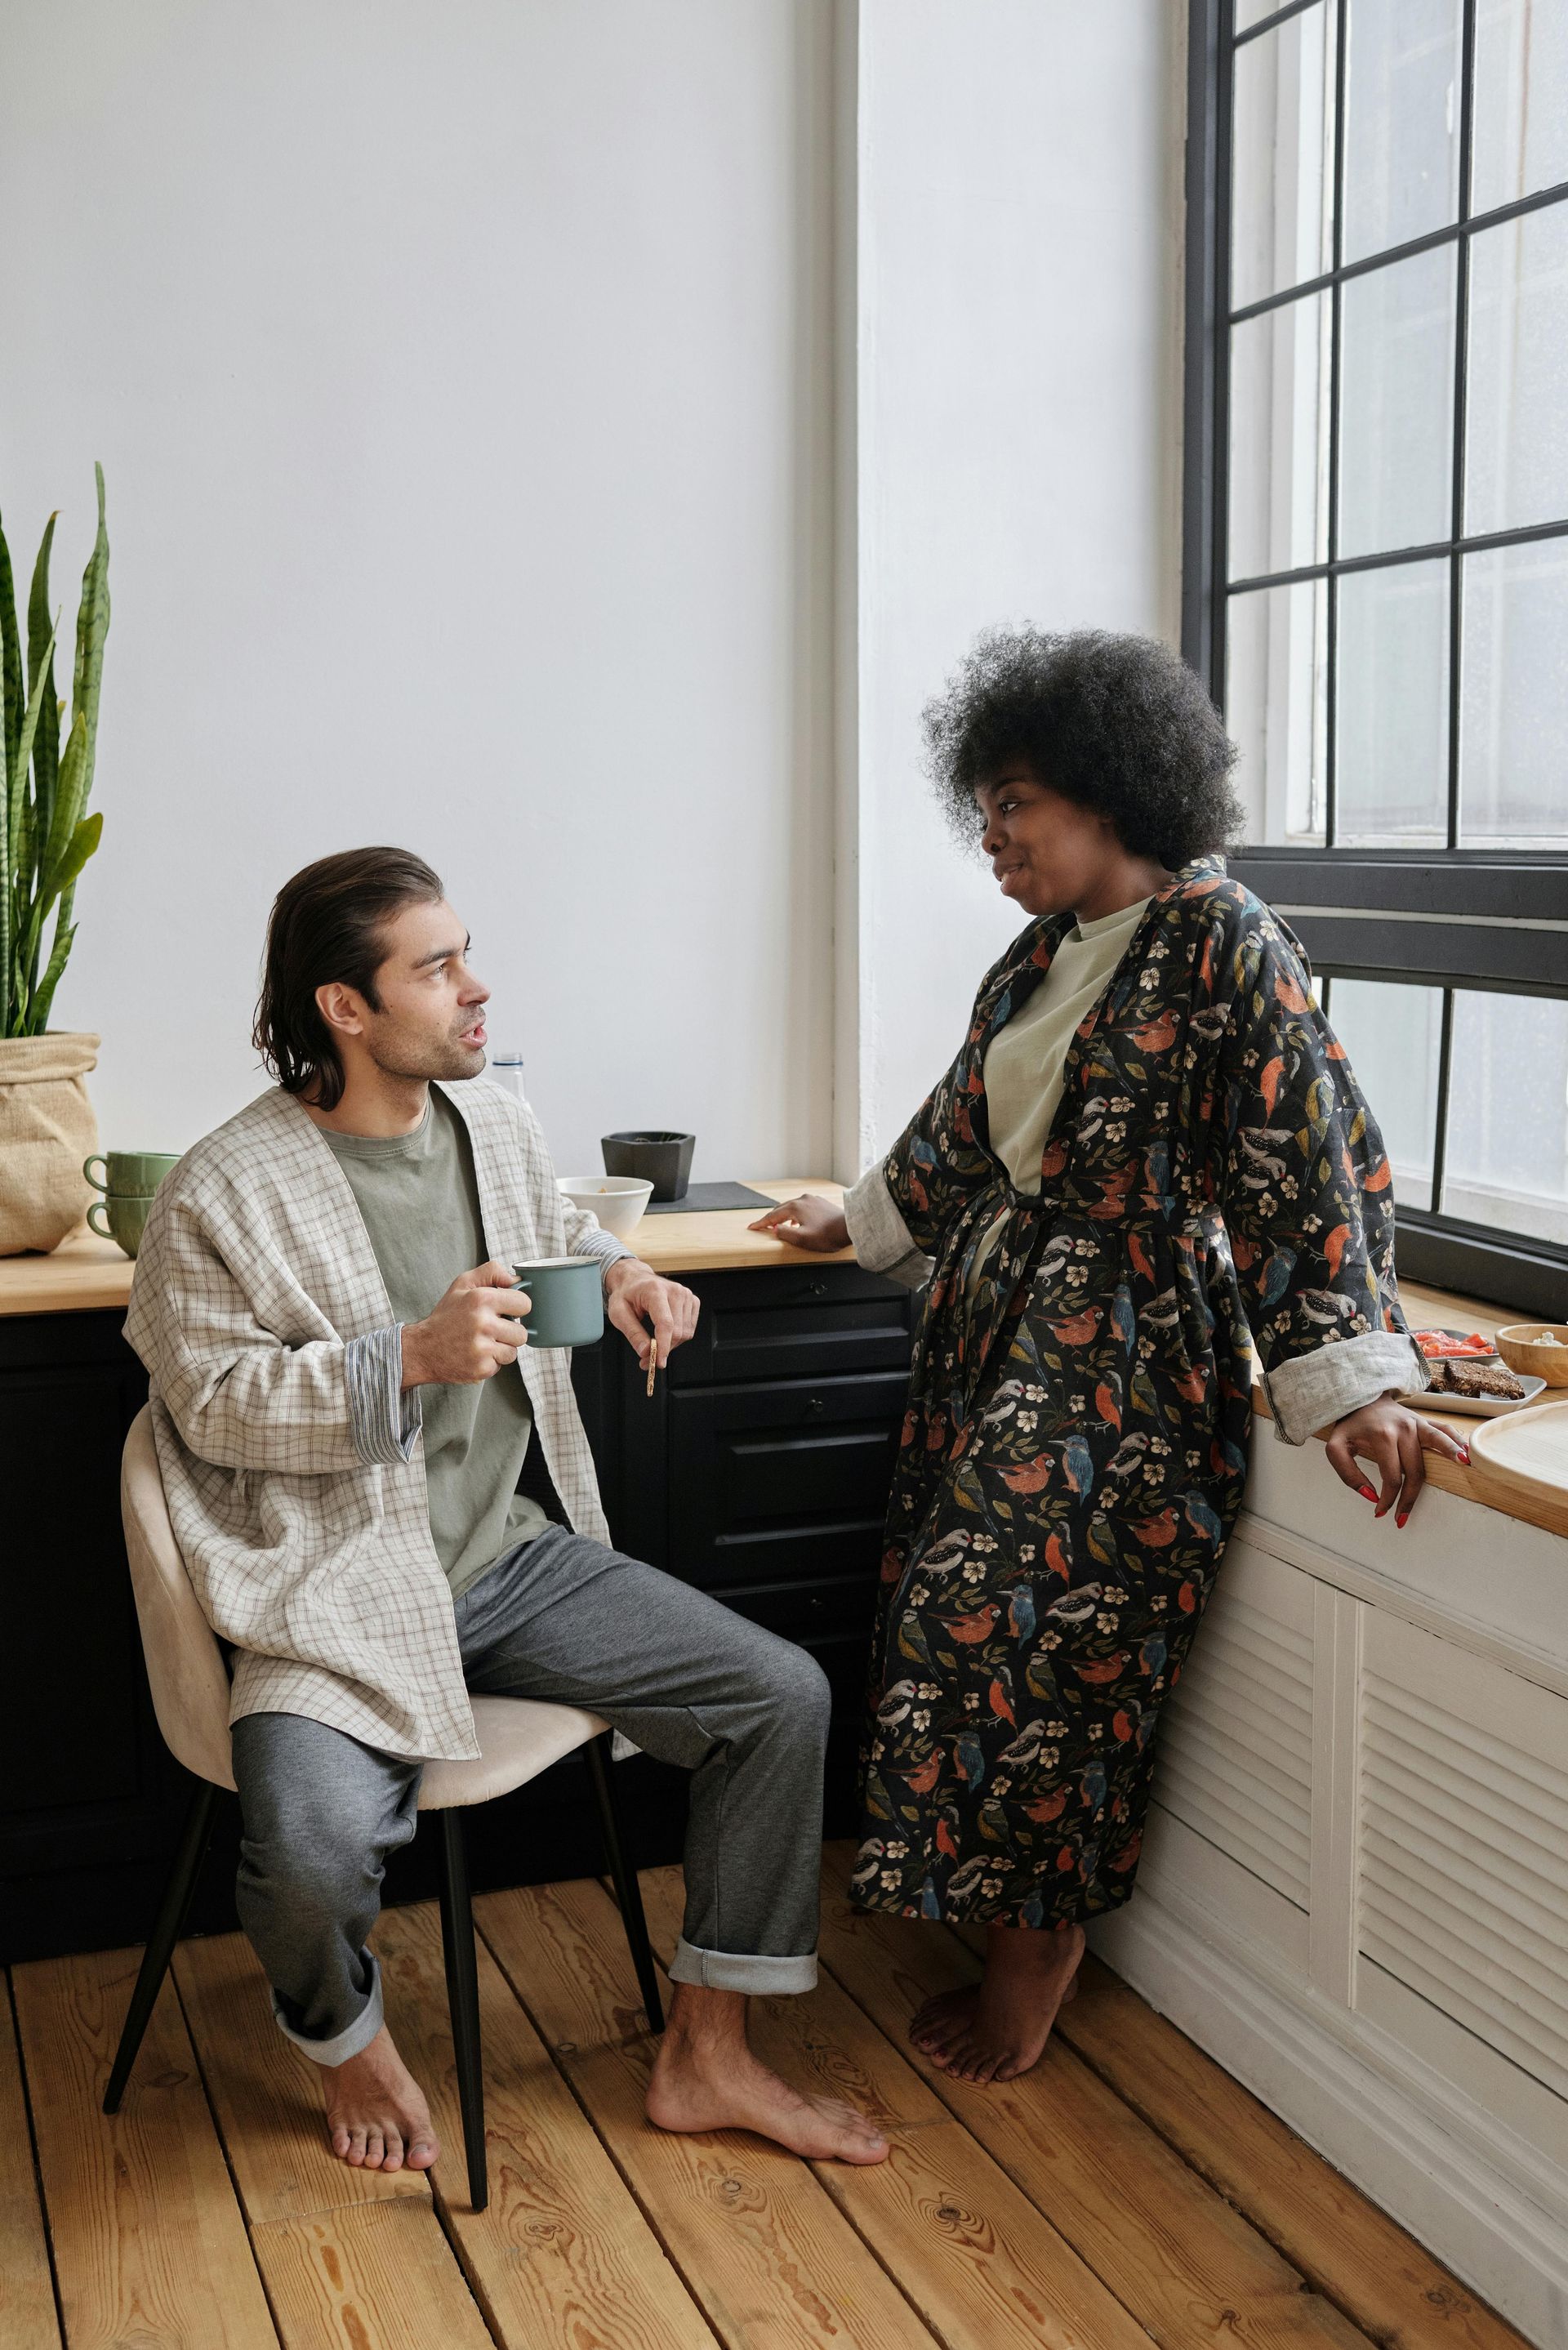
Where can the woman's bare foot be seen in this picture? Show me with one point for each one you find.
(376, 2117)
(705, 2077)
(997, 2028)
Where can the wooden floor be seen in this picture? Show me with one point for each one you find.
(1126, 2192)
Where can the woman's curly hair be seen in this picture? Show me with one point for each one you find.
(1118, 724)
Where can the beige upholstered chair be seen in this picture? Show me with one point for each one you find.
(190, 1684)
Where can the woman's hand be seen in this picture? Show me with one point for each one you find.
(808, 1223)
(1392, 1437)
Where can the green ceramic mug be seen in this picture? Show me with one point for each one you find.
(125, 1214)
(129, 1179)
(130, 1174)
(568, 1300)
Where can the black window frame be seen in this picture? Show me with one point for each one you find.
(1456, 918)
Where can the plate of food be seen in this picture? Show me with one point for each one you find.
(1479, 1386)
(1453, 1346)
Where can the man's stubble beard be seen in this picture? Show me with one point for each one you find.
(417, 1061)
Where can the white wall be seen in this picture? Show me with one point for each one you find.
(532, 428)
(1018, 445)
(458, 375)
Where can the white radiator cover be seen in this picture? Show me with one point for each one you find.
(1354, 1889)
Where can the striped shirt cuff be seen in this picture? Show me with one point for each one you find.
(1312, 1391)
(878, 1235)
(382, 1421)
(605, 1246)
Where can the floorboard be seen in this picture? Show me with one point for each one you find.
(991, 2271)
(561, 2254)
(1346, 2247)
(1349, 2251)
(150, 2242)
(762, 2246)
(1127, 2195)
(27, 2319)
(1191, 2269)
(367, 2276)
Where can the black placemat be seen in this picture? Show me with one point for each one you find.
(702, 1197)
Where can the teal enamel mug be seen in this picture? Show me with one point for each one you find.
(568, 1300)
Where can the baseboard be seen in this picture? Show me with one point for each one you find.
(1404, 2137)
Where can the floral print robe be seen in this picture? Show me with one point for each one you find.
(1074, 1447)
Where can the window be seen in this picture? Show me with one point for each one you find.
(1375, 566)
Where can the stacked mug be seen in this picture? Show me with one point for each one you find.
(129, 1179)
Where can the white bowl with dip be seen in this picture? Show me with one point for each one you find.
(617, 1200)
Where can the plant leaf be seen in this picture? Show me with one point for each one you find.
(38, 1010)
(10, 656)
(66, 809)
(22, 758)
(78, 849)
(42, 632)
(93, 627)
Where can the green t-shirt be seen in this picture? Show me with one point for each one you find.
(419, 1200)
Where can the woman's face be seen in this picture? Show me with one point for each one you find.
(1048, 854)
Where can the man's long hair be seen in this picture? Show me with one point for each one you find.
(328, 923)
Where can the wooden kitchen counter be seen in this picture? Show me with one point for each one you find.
(87, 1274)
(84, 1272)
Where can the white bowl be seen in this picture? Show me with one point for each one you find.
(617, 1200)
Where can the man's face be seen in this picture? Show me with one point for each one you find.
(431, 1023)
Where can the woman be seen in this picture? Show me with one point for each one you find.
(1149, 1147)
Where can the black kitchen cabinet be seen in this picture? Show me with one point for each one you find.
(759, 1470)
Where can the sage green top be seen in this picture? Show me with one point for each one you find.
(419, 1200)
(1026, 1060)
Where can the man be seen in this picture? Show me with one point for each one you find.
(386, 1503)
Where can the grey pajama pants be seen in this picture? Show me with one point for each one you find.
(561, 1618)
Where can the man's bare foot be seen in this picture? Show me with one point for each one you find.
(376, 2117)
(705, 2077)
(997, 2028)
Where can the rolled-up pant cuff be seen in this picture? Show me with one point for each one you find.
(351, 2039)
(742, 1970)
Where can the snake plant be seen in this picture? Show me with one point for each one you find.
(46, 837)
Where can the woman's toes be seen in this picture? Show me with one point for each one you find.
(392, 2159)
(422, 2154)
(356, 2154)
(374, 2149)
(340, 2142)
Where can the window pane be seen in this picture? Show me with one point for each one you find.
(1278, 489)
(1507, 1163)
(1276, 662)
(1252, 12)
(1393, 1034)
(1396, 405)
(1401, 121)
(1521, 100)
(1282, 141)
(1517, 436)
(1391, 769)
(1513, 731)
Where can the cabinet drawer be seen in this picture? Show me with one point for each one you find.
(771, 1325)
(783, 1479)
(845, 1605)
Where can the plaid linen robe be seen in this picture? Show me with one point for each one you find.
(255, 1274)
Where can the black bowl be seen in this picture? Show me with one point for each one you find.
(652, 1156)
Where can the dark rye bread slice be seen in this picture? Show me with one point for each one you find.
(1453, 1375)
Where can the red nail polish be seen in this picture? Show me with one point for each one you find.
(1403, 1518)
(1366, 1492)
(1465, 1458)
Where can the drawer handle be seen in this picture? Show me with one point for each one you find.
(817, 1403)
(816, 1288)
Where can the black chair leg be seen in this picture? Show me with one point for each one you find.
(627, 1891)
(173, 1912)
(462, 1996)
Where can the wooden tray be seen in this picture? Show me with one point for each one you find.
(1525, 1453)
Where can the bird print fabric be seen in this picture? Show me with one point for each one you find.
(1074, 1447)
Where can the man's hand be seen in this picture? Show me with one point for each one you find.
(474, 1332)
(649, 1311)
(1393, 1437)
(809, 1221)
